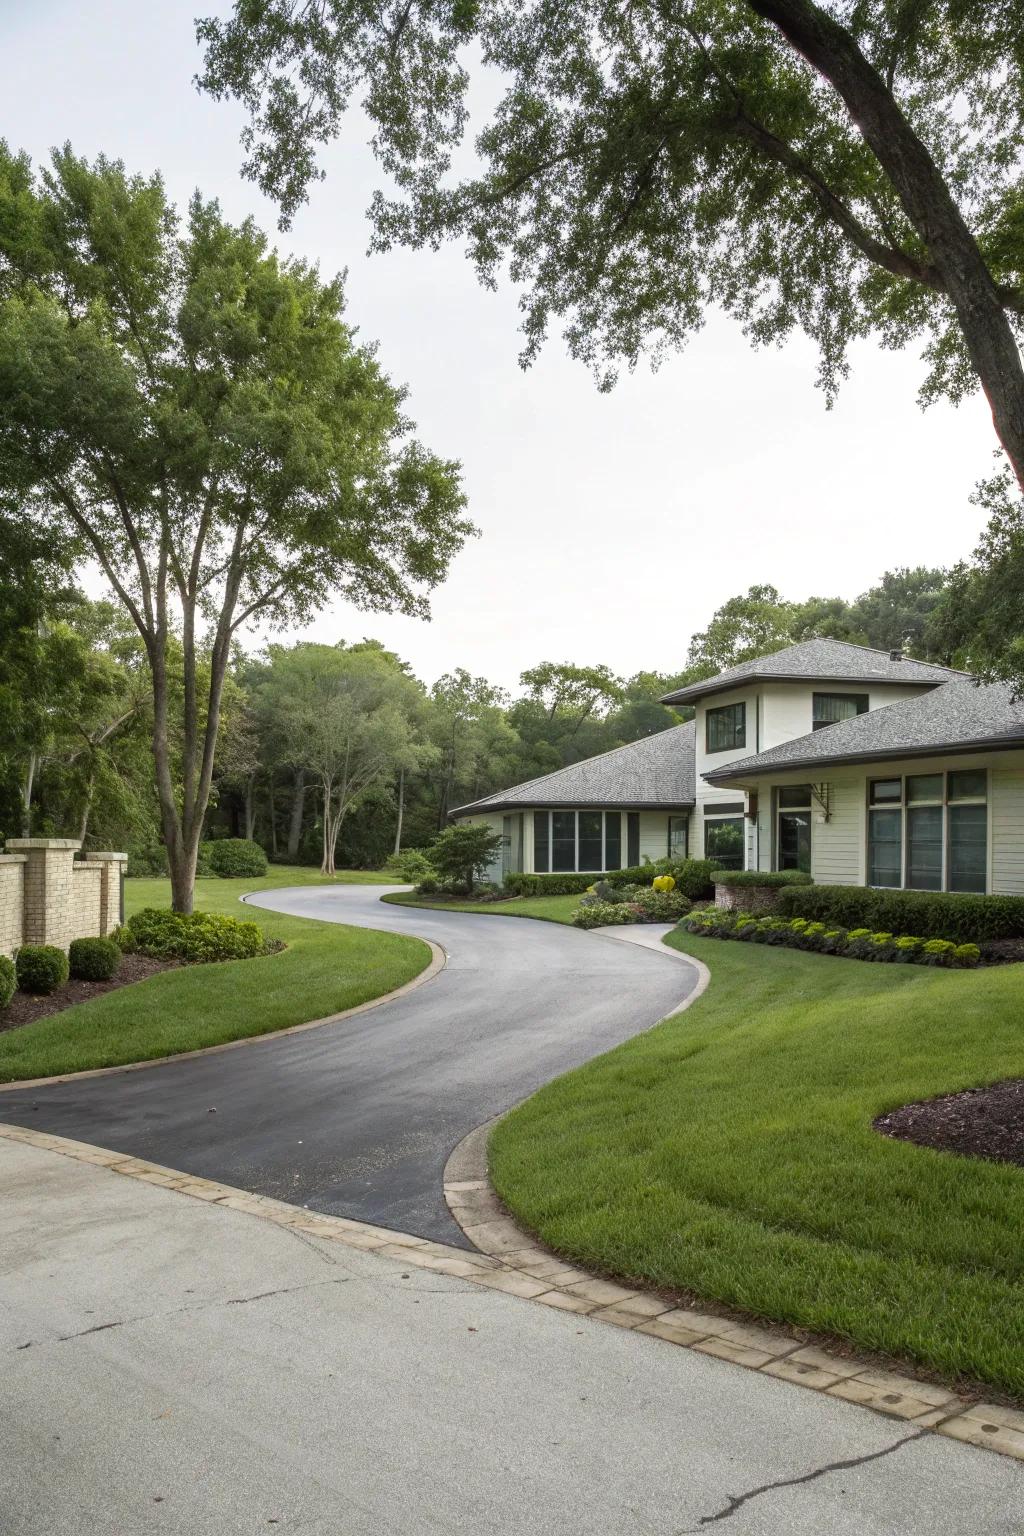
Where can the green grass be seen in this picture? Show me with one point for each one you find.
(550, 909)
(325, 969)
(729, 1153)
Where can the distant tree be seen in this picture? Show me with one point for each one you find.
(980, 620)
(464, 852)
(896, 614)
(640, 712)
(193, 409)
(476, 746)
(751, 625)
(842, 167)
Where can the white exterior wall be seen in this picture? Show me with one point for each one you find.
(1006, 828)
(496, 822)
(839, 845)
(653, 836)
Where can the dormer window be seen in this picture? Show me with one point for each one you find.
(726, 728)
(829, 708)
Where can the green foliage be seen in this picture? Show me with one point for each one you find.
(231, 857)
(518, 884)
(410, 865)
(463, 852)
(193, 937)
(694, 877)
(40, 968)
(8, 980)
(601, 914)
(935, 914)
(769, 879)
(93, 959)
(980, 616)
(823, 938)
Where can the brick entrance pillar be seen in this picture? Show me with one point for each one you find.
(49, 873)
(113, 867)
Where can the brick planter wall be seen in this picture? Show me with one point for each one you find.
(747, 898)
(48, 898)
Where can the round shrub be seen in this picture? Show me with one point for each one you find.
(194, 937)
(41, 968)
(233, 857)
(8, 980)
(94, 959)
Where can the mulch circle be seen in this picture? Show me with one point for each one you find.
(24, 1008)
(980, 1122)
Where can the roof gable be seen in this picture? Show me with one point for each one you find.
(832, 661)
(658, 770)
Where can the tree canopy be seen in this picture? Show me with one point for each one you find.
(192, 408)
(843, 168)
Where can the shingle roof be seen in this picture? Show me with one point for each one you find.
(958, 717)
(838, 661)
(658, 771)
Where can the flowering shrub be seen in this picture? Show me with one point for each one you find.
(599, 914)
(825, 939)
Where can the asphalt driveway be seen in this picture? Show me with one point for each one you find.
(358, 1118)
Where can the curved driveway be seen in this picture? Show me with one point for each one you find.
(358, 1118)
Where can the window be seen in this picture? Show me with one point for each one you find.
(677, 836)
(541, 843)
(612, 840)
(591, 844)
(929, 831)
(632, 839)
(726, 727)
(567, 841)
(828, 708)
(793, 830)
(723, 841)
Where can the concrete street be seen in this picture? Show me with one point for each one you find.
(174, 1366)
(358, 1118)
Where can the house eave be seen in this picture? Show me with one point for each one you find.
(482, 807)
(694, 691)
(742, 775)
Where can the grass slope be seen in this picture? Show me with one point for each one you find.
(325, 969)
(729, 1152)
(550, 909)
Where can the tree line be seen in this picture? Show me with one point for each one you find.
(338, 755)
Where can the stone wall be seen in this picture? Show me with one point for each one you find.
(46, 897)
(747, 898)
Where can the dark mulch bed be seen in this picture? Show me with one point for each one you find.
(1002, 951)
(25, 1009)
(980, 1122)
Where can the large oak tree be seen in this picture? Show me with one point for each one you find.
(844, 167)
(193, 409)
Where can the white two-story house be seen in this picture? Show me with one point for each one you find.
(855, 765)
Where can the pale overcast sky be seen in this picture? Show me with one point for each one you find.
(611, 525)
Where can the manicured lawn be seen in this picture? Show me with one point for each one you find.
(729, 1152)
(551, 909)
(325, 969)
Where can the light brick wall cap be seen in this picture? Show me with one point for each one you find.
(105, 858)
(13, 858)
(58, 843)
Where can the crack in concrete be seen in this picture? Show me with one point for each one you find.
(737, 1501)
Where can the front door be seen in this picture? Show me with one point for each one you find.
(795, 840)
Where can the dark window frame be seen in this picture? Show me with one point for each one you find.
(948, 803)
(739, 733)
(861, 700)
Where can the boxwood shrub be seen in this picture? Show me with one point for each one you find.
(232, 857)
(8, 980)
(548, 885)
(94, 959)
(193, 937)
(933, 914)
(41, 968)
(853, 943)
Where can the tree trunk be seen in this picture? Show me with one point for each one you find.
(327, 841)
(401, 810)
(927, 202)
(26, 795)
(250, 806)
(83, 825)
(273, 816)
(295, 823)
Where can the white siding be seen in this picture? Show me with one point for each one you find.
(653, 836)
(1006, 823)
(496, 822)
(837, 845)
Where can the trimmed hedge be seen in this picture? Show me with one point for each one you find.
(8, 980)
(194, 937)
(768, 879)
(94, 959)
(41, 968)
(233, 857)
(933, 914)
(694, 877)
(550, 885)
(851, 943)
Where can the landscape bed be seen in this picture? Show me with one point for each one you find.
(324, 969)
(730, 1154)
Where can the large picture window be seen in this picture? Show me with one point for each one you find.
(829, 708)
(571, 841)
(726, 727)
(723, 840)
(929, 831)
(678, 843)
